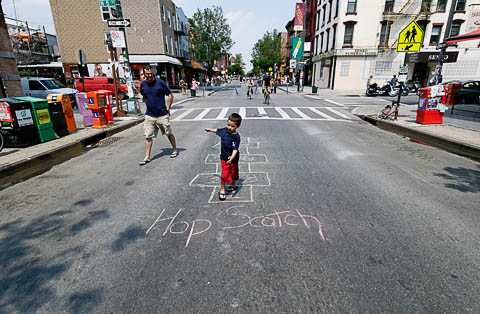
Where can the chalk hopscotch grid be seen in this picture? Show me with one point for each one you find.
(215, 186)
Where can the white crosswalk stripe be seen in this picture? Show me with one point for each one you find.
(203, 114)
(271, 113)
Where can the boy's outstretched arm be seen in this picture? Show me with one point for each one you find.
(211, 130)
(234, 154)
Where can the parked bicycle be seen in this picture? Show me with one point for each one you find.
(389, 112)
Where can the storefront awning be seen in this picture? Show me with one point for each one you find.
(154, 59)
(467, 36)
(198, 66)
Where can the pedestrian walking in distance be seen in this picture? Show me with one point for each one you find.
(229, 155)
(157, 116)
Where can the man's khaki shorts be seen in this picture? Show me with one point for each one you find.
(153, 124)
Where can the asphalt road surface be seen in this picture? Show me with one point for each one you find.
(332, 216)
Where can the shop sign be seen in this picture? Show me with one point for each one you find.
(43, 116)
(293, 64)
(323, 55)
(5, 115)
(357, 52)
(24, 117)
(434, 56)
(473, 21)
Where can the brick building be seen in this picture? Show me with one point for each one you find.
(10, 80)
(155, 35)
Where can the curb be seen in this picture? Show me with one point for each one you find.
(22, 170)
(440, 142)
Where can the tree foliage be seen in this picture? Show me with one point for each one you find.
(210, 35)
(238, 67)
(266, 52)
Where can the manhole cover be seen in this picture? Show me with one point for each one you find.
(108, 141)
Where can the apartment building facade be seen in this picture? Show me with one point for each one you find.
(354, 40)
(155, 37)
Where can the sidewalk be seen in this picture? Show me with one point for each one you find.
(458, 134)
(17, 164)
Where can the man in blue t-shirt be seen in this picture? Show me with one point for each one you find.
(157, 116)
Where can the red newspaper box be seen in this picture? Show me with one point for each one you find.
(108, 105)
(428, 100)
(97, 103)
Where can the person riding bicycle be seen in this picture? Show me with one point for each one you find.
(266, 86)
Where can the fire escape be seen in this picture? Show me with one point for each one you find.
(395, 22)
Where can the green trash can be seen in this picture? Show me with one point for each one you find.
(314, 89)
(193, 92)
(42, 118)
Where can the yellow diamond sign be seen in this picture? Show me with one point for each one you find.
(410, 38)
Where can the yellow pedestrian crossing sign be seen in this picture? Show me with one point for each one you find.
(410, 38)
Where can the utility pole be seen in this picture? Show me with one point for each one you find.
(443, 44)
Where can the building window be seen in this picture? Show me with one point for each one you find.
(174, 22)
(348, 39)
(318, 19)
(389, 4)
(321, 43)
(163, 13)
(435, 37)
(327, 44)
(166, 44)
(460, 5)
(345, 68)
(441, 5)
(176, 47)
(330, 10)
(426, 4)
(169, 19)
(455, 30)
(351, 6)
(336, 8)
(324, 14)
(334, 37)
(423, 26)
(171, 45)
(316, 46)
(385, 34)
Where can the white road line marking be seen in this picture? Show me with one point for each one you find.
(261, 110)
(282, 113)
(243, 112)
(338, 113)
(334, 102)
(202, 114)
(326, 116)
(222, 114)
(183, 114)
(301, 114)
(313, 97)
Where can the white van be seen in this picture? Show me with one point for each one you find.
(41, 87)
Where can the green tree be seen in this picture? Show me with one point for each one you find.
(266, 52)
(237, 67)
(210, 35)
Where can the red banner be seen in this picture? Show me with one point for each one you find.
(299, 16)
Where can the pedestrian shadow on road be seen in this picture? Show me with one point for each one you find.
(167, 152)
(29, 273)
(461, 179)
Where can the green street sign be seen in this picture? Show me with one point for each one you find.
(107, 3)
(297, 47)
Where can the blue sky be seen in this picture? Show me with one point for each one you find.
(248, 19)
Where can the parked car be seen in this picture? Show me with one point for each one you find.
(41, 87)
(469, 94)
(101, 83)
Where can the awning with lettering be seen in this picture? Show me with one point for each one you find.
(154, 59)
(467, 36)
